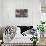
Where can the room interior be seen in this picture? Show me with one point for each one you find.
(19, 20)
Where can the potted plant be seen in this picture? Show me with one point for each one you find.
(41, 27)
(34, 39)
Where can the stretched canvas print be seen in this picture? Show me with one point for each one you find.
(21, 12)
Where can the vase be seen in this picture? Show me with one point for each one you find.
(42, 34)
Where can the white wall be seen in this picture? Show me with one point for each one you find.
(9, 7)
(36, 12)
(0, 13)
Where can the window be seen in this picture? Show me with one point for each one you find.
(43, 6)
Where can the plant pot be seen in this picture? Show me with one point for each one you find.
(34, 43)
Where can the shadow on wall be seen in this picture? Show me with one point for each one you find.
(1, 32)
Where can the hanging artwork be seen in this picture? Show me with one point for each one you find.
(21, 12)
